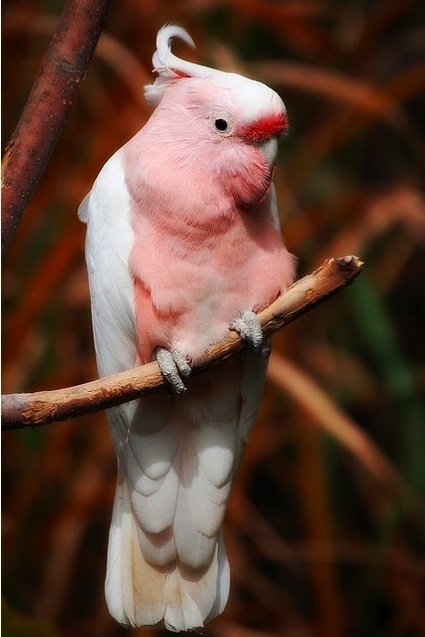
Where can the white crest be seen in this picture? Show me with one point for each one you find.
(168, 66)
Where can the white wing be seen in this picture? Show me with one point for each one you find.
(106, 210)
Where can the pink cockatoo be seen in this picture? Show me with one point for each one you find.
(183, 243)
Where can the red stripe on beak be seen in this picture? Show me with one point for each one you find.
(264, 128)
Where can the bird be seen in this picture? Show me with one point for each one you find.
(183, 243)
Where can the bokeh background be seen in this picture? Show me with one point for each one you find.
(326, 525)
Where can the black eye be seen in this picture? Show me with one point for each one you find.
(221, 125)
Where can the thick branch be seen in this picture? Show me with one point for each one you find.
(62, 69)
(23, 410)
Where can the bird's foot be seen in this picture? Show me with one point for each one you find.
(247, 325)
(173, 365)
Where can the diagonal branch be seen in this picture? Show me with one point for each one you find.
(23, 410)
(52, 95)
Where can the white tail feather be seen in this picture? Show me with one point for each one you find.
(133, 588)
(139, 593)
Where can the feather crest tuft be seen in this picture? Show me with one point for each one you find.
(168, 66)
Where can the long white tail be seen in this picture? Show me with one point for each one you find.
(139, 593)
(166, 557)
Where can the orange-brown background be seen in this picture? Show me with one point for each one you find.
(326, 524)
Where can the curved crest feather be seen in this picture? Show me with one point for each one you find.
(168, 66)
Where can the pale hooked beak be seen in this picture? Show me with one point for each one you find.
(269, 150)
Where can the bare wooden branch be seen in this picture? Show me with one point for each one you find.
(23, 410)
(52, 95)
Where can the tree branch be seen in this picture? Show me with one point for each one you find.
(24, 410)
(52, 95)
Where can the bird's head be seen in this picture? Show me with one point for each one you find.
(226, 123)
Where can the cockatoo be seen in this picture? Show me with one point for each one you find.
(183, 243)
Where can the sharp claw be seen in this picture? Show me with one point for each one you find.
(181, 362)
(170, 364)
(249, 328)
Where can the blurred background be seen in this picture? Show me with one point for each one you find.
(326, 524)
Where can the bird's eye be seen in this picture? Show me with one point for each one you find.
(221, 125)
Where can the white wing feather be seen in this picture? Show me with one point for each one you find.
(106, 210)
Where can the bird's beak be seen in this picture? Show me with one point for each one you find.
(269, 150)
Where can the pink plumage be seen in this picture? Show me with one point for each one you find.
(183, 235)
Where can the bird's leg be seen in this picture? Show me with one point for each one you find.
(173, 365)
(249, 329)
(247, 325)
